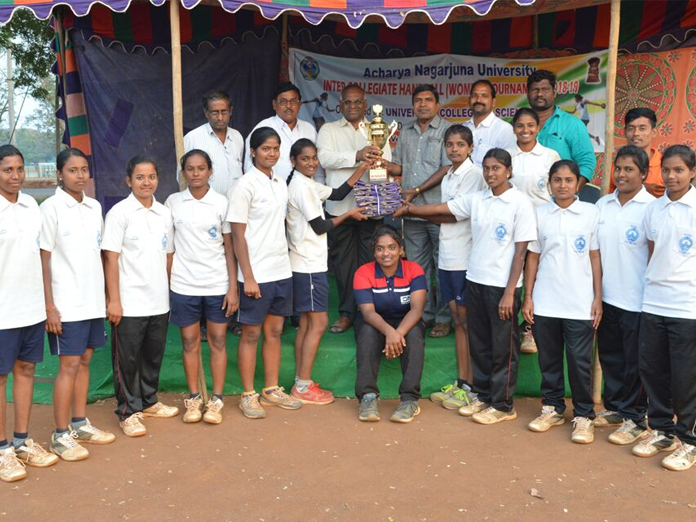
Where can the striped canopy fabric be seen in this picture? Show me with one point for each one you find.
(393, 13)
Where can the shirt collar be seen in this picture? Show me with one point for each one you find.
(487, 121)
(261, 176)
(463, 168)
(137, 205)
(435, 123)
(655, 159)
(345, 123)
(71, 201)
(574, 206)
(643, 196)
(687, 199)
(379, 274)
(205, 199)
(212, 134)
(505, 196)
(284, 126)
(22, 199)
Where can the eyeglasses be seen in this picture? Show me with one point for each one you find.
(215, 114)
(284, 103)
(352, 103)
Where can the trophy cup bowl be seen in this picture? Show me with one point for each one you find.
(377, 133)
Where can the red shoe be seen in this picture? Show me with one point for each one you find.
(313, 395)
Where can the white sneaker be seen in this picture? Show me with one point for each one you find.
(628, 433)
(89, 434)
(66, 448)
(583, 430)
(682, 459)
(548, 419)
(212, 411)
(193, 411)
(133, 426)
(11, 468)
(657, 442)
(475, 407)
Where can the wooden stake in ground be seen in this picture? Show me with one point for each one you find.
(178, 112)
(608, 146)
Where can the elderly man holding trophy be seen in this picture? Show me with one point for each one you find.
(342, 145)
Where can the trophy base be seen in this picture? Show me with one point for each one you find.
(378, 175)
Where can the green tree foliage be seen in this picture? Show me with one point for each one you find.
(29, 40)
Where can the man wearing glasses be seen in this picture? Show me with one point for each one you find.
(286, 104)
(341, 148)
(223, 144)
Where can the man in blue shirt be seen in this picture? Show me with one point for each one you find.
(560, 131)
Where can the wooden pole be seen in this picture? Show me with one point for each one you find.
(608, 145)
(178, 112)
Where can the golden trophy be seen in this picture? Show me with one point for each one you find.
(377, 132)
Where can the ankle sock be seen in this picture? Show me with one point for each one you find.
(461, 383)
(4, 444)
(302, 386)
(78, 422)
(19, 439)
(194, 395)
(247, 393)
(60, 431)
(218, 396)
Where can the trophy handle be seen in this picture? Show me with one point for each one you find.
(364, 130)
(392, 128)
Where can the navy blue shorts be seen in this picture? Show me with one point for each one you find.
(276, 299)
(23, 344)
(77, 336)
(310, 292)
(452, 286)
(187, 310)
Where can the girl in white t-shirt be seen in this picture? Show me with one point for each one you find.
(623, 243)
(71, 233)
(502, 224)
(137, 233)
(307, 227)
(667, 343)
(203, 280)
(22, 315)
(563, 300)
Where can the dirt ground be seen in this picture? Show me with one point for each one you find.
(322, 464)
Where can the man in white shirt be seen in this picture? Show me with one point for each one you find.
(224, 145)
(286, 104)
(489, 131)
(341, 147)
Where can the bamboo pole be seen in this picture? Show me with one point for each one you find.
(178, 113)
(608, 145)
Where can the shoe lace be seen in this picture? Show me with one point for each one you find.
(87, 426)
(447, 388)
(34, 449)
(215, 405)
(655, 437)
(67, 439)
(547, 412)
(134, 419)
(682, 452)
(462, 395)
(251, 400)
(626, 426)
(582, 423)
(192, 404)
(9, 460)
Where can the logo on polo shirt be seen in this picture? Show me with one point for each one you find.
(685, 244)
(99, 239)
(501, 231)
(541, 184)
(632, 235)
(212, 232)
(580, 244)
(165, 241)
(405, 299)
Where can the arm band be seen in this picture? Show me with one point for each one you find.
(321, 226)
(341, 192)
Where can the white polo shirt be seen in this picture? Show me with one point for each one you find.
(623, 243)
(308, 251)
(288, 136)
(226, 157)
(72, 232)
(530, 171)
(141, 236)
(337, 144)
(670, 278)
(492, 132)
(563, 286)
(455, 238)
(497, 223)
(261, 203)
(199, 267)
(21, 280)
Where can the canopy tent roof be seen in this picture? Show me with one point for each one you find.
(354, 12)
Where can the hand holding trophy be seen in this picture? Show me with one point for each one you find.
(377, 132)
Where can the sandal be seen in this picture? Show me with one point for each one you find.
(341, 325)
(440, 330)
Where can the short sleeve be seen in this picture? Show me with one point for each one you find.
(323, 191)
(240, 203)
(114, 230)
(397, 156)
(594, 237)
(460, 206)
(222, 213)
(648, 223)
(362, 284)
(525, 222)
(417, 275)
(49, 227)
